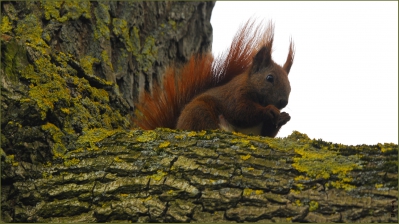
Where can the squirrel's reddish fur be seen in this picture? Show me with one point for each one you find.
(192, 97)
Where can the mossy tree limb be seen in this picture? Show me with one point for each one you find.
(171, 176)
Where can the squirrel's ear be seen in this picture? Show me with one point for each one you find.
(290, 58)
(261, 60)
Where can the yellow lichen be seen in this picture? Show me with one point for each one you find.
(387, 147)
(243, 142)
(202, 133)
(245, 157)
(103, 19)
(342, 185)
(58, 148)
(147, 136)
(71, 162)
(258, 192)
(299, 186)
(248, 169)
(322, 163)
(106, 60)
(47, 87)
(71, 10)
(29, 31)
(65, 110)
(164, 144)
(173, 24)
(10, 159)
(117, 159)
(121, 29)
(313, 206)
(247, 192)
(92, 136)
(87, 64)
(99, 95)
(293, 191)
(147, 199)
(6, 26)
(182, 136)
(192, 134)
(158, 176)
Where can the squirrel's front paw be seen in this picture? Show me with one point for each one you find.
(283, 119)
(272, 114)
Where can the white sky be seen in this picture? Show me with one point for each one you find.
(344, 79)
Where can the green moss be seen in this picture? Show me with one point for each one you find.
(6, 26)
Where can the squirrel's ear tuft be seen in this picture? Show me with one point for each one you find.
(261, 60)
(290, 58)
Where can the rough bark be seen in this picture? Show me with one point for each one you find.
(69, 74)
(126, 42)
(170, 176)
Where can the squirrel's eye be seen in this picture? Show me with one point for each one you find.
(270, 78)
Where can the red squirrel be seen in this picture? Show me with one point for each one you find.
(242, 90)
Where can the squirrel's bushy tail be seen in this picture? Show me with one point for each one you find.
(162, 108)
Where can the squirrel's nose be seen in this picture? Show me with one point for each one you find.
(282, 103)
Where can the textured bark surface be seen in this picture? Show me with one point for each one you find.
(126, 42)
(69, 74)
(170, 176)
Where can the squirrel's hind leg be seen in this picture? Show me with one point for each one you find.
(199, 114)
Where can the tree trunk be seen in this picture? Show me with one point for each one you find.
(70, 72)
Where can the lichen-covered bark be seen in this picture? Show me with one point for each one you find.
(69, 73)
(71, 69)
(171, 176)
(125, 42)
